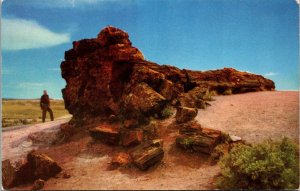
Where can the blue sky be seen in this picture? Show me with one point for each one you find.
(259, 36)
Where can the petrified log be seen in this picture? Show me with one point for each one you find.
(107, 75)
(44, 167)
(16, 173)
(185, 114)
(8, 174)
(229, 78)
(203, 140)
(37, 166)
(132, 137)
(189, 128)
(107, 133)
(147, 155)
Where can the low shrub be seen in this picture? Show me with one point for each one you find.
(227, 91)
(213, 93)
(166, 113)
(208, 96)
(270, 165)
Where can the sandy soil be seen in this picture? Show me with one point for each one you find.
(255, 116)
(252, 116)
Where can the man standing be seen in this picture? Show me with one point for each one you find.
(45, 106)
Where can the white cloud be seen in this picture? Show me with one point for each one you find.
(298, 1)
(30, 85)
(19, 34)
(61, 3)
(271, 74)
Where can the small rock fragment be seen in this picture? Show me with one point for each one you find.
(38, 184)
(235, 138)
(132, 137)
(66, 175)
(185, 114)
(120, 159)
(157, 142)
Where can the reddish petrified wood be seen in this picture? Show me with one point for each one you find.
(108, 76)
(108, 133)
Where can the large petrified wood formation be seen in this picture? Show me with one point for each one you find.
(108, 76)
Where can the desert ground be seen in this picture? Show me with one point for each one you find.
(252, 116)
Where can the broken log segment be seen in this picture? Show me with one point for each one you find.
(201, 140)
(148, 154)
(26, 171)
(132, 137)
(44, 167)
(8, 174)
(185, 114)
(107, 133)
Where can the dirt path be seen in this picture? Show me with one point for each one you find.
(252, 116)
(255, 116)
(15, 143)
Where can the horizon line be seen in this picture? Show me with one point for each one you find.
(63, 99)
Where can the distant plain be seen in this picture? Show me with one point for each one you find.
(27, 111)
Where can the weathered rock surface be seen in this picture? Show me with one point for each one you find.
(132, 137)
(16, 173)
(108, 133)
(197, 139)
(229, 78)
(185, 114)
(8, 174)
(195, 98)
(148, 154)
(67, 129)
(42, 165)
(189, 128)
(38, 184)
(37, 166)
(108, 76)
(120, 159)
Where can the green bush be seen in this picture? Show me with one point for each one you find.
(270, 165)
(166, 113)
(227, 91)
(208, 96)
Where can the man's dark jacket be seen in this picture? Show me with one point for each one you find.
(45, 100)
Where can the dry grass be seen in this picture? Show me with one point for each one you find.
(22, 112)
